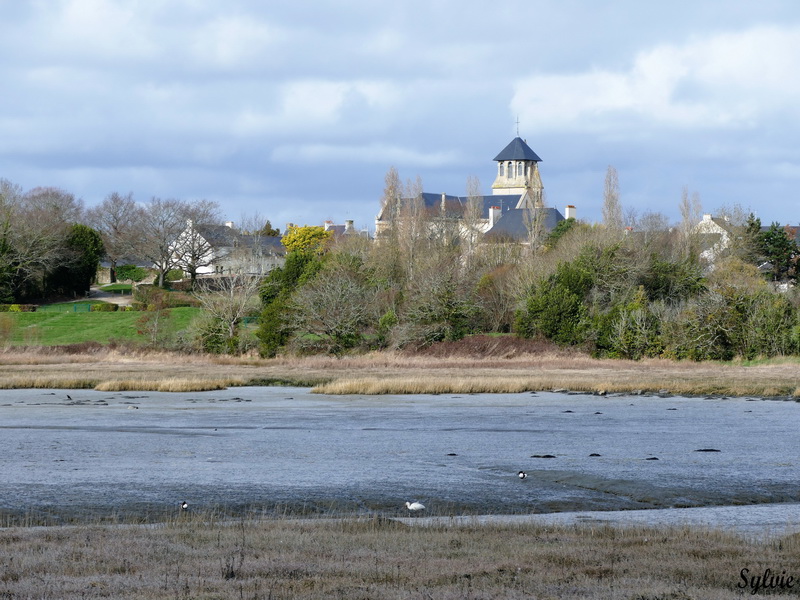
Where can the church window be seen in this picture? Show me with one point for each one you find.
(520, 171)
(502, 170)
(510, 169)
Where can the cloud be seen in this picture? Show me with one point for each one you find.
(97, 31)
(192, 98)
(725, 81)
(317, 105)
(235, 42)
(377, 153)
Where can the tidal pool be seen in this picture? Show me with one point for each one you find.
(86, 454)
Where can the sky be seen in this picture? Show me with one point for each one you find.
(295, 111)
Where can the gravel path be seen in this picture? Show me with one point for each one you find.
(95, 293)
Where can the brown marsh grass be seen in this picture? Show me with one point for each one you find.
(376, 558)
(512, 385)
(167, 385)
(397, 372)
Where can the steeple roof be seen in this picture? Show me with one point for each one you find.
(517, 150)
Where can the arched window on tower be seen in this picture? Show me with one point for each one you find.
(510, 169)
(502, 170)
(520, 170)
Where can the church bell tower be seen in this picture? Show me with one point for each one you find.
(518, 174)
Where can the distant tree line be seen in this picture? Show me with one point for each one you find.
(633, 286)
(45, 248)
(51, 245)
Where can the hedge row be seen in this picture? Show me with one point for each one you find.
(104, 308)
(18, 307)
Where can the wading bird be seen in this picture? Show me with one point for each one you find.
(415, 506)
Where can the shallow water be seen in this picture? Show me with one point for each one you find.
(95, 454)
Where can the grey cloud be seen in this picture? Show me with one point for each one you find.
(300, 108)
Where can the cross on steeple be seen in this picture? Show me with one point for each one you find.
(517, 125)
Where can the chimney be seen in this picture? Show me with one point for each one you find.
(348, 226)
(328, 225)
(569, 212)
(494, 215)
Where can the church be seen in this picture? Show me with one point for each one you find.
(514, 209)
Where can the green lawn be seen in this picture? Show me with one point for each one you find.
(57, 328)
(120, 288)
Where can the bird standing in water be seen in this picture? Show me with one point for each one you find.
(415, 506)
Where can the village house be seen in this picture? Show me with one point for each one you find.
(716, 234)
(346, 229)
(222, 249)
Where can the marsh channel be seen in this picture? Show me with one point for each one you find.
(78, 455)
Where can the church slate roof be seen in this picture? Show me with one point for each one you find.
(512, 226)
(455, 205)
(517, 149)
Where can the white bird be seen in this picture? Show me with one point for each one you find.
(184, 505)
(522, 474)
(415, 506)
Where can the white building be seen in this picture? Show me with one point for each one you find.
(222, 249)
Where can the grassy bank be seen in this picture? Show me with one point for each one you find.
(392, 373)
(196, 557)
(52, 328)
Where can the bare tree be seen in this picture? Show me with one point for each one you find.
(162, 221)
(227, 300)
(534, 219)
(473, 216)
(412, 225)
(655, 229)
(116, 218)
(42, 220)
(337, 305)
(612, 209)
(392, 194)
(192, 248)
(10, 195)
(691, 213)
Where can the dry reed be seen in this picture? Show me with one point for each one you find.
(55, 382)
(198, 557)
(433, 384)
(167, 385)
(397, 373)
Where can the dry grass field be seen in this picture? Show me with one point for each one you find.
(196, 557)
(482, 366)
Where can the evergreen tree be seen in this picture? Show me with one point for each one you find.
(83, 251)
(780, 251)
